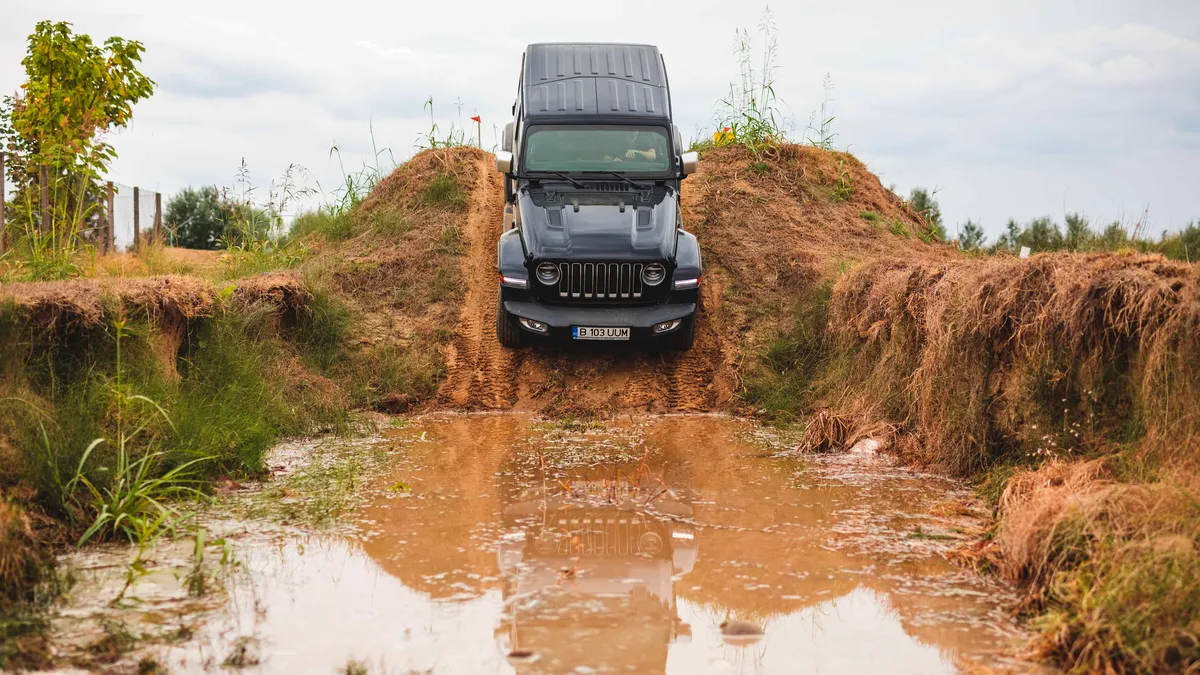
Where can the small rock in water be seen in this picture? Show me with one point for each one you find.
(740, 628)
(518, 656)
(737, 633)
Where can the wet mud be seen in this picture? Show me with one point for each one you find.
(497, 543)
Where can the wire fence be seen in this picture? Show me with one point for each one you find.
(123, 218)
(126, 219)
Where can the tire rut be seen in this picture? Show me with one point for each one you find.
(480, 371)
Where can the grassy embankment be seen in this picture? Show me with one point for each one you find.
(1066, 385)
(124, 392)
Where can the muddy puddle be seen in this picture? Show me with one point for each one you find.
(500, 544)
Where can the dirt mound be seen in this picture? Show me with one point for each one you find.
(767, 228)
(1057, 352)
(399, 270)
(773, 228)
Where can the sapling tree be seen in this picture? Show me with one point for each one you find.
(75, 93)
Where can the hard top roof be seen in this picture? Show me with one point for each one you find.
(595, 79)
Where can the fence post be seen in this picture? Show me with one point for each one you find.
(111, 231)
(3, 232)
(44, 202)
(158, 218)
(137, 221)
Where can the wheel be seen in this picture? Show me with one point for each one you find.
(507, 330)
(683, 338)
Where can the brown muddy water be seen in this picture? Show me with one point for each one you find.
(500, 544)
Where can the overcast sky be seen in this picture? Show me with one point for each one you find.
(1017, 109)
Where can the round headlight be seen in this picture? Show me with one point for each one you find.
(547, 273)
(650, 543)
(653, 274)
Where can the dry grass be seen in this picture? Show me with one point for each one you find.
(22, 556)
(826, 431)
(1113, 569)
(1053, 355)
(1051, 361)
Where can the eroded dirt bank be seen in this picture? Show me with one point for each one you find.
(497, 543)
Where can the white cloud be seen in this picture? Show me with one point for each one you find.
(1007, 106)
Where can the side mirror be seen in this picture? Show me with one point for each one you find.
(506, 143)
(504, 161)
(689, 160)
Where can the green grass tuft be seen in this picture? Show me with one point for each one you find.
(445, 191)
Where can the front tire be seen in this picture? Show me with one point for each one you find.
(683, 338)
(507, 331)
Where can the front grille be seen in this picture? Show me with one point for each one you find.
(601, 536)
(600, 281)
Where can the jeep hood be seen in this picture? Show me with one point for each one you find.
(599, 226)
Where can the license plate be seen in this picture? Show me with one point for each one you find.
(588, 333)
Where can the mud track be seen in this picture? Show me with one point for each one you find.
(574, 379)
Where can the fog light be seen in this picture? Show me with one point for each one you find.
(535, 326)
(514, 282)
(667, 326)
(685, 284)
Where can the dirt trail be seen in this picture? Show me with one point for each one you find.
(480, 371)
(566, 378)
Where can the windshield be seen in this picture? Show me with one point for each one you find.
(628, 149)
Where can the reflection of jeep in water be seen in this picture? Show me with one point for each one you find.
(591, 573)
(592, 164)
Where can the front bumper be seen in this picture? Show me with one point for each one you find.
(561, 318)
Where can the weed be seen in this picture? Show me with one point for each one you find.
(898, 228)
(448, 240)
(148, 665)
(47, 250)
(227, 409)
(379, 371)
(869, 216)
(749, 113)
(354, 667)
(358, 184)
(844, 187)
(244, 652)
(444, 190)
(131, 498)
(445, 285)
(245, 257)
(116, 641)
(783, 382)
(323, 222)
(433, 139)
(820, 132)
(322, 329)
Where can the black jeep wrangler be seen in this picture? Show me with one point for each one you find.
(595, 248)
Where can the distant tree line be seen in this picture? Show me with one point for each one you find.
(1042, 235)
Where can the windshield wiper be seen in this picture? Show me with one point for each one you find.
(567, 178)
(626, 179)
